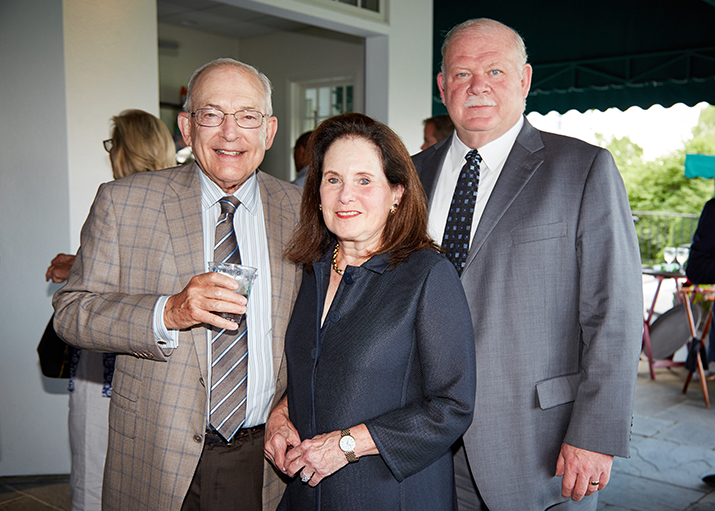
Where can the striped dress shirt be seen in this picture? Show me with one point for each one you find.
(252, 242)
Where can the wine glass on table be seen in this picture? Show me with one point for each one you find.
(669, 256)
(682, 254)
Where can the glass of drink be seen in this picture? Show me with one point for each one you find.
(682, 254)
(669, 256)
(243, 275)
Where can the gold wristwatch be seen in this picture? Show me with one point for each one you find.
(347, 445)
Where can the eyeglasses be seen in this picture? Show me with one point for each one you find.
(211, 117)
(108, 145)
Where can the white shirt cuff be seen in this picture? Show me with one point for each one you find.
(164, 338)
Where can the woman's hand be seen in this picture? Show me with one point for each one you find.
(280, 436)
(59, 268)
(318, 457)
(321, 455)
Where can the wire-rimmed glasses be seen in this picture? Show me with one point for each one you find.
(213, 117)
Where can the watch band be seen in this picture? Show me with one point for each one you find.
(349, 455)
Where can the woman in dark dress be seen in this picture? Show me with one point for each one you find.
(380, 347)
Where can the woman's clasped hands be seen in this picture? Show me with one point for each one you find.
(313, 459)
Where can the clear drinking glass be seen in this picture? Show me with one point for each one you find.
(682, 254)
(244, 275)
(669, 255)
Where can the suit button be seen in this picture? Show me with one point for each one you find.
(334, 316)
(197, 439)
(313, 353)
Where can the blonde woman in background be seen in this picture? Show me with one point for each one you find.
(140, 142)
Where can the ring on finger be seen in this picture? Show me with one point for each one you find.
(305, 477)
(595, 483)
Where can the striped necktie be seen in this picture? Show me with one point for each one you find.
(229, 349)
(461, 211)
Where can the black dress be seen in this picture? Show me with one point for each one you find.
(396, 352)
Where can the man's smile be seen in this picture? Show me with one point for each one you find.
(228, 153)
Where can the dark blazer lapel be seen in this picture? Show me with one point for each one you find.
(520, 165)
(432, 165)
(184, 221)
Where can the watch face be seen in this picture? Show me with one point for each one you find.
(347, 443)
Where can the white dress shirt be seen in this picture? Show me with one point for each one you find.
(250, 229)
(494, 155)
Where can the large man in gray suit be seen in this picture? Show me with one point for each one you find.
(139, 287)
(552, 276)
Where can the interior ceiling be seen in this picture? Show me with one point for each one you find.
(221, 19)
(610, 53)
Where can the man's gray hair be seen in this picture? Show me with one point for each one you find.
(265, 82)
(486, 25)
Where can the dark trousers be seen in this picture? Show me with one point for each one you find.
(466, 493)
(228, 478)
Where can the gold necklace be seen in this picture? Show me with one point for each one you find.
(335, 260)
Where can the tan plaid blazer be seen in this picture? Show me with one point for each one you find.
(143, 238)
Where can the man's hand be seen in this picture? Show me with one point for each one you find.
(580, 468)
(280, 435)
(59, 268)
(203, 296)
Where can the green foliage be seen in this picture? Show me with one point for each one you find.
(703, 141)
(661, 186)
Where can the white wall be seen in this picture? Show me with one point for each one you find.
(193, 49)
(67, 67)
(299, 56)
(111, 64)
(34, 215)
(409, 94)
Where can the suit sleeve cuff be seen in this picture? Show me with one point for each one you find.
(164, 338)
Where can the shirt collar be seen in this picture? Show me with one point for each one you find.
(376, 264)
(493, 154)
(247, 193)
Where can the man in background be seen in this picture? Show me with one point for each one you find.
(139, 287)
(301, 158)
(539, 228)
(436, 128)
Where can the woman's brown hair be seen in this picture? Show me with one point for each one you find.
(405, 230)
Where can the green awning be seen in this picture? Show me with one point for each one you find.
(611, 53)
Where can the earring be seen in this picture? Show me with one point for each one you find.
(320, 207)
(393, 208)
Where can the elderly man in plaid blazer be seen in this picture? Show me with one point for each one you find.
(139, 287)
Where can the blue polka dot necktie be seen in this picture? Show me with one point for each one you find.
(461, 211)
(229, 349)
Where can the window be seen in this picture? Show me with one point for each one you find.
(318, 102)
(315, 100)
(370, 9)
(370, 5)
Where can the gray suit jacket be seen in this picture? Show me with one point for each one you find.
(143, 238)
(553, 281)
